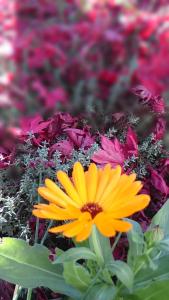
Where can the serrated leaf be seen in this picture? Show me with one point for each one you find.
(30, 267)
(76, 275)
(123, 272)
(75, 254)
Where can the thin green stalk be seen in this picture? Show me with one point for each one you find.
(46, 233)
(142, 263)
(36, 231)
(37, 219)
(29, 294)
(116, 241)
(92, 283)
(95, 246)
(16, 292)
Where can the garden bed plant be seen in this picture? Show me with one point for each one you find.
(84, 162)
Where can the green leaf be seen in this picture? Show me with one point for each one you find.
(161, 219)
(101, 292)
(75, 254)
(156, 291)
(136, 242)
(30, 267)
(146, 276)
(76, 275)
(123, 272)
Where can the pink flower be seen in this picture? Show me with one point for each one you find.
(114, 152)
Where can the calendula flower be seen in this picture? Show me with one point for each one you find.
(100, 197)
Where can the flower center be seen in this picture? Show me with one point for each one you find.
(92, 208)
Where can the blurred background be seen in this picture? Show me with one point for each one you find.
(89, 57)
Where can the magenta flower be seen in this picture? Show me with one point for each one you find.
(114, 152)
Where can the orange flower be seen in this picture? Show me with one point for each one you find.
(98, 196)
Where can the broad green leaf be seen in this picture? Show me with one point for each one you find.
(146, 276)
(75, 254)
(161, 219)
(76, 275)
(122, 271)
(136, 242)
(30, 267)
(156, 291)
(101, 292)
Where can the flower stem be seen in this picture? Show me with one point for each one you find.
(46, 232)
(16, 292)
(37, 219)
(95, 245)
(116, 241)
(29, 294)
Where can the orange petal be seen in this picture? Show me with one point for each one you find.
(117, 198)
(66, 214)
(91, 182)
(114, 179)
(50, 196)
(61, 228)
(44, 214)
(103, 181)
(76, 229)
(85, 233)
(69, 188)
(101, 223)
(57, 191)
(79, 181)
(120, 226)
(110, 199)
(131, 191)
(130, 207)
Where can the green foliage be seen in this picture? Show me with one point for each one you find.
(101, 291)
(161, 219)
(97, 275)
(75, 254)
(157, 290)
(76, 275)
(136, 243)
(30, 267)
(123, 272)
